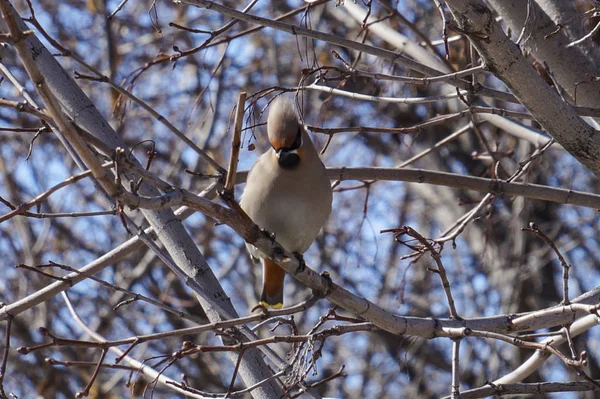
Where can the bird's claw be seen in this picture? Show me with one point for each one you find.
(268, 234)
(261, 308)
(301, 264)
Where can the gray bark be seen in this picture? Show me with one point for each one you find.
(504, 58)
(570, 65)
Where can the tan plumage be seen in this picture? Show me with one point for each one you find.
(287, 193)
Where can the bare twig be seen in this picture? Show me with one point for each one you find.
(213, 34)
(417, 80)
(117, 9)
(437, 145)
(321, 335)
(21, 209)
(87, 388)
(27, 108)
(78, 363)
(135, 296)
(589, 35)
(137, 340)
(93, 267)
(393, 100)
(547, 346)
(235, 394)
(539, 357)
(454, 231)
(533, 228)
(105, 79)
(337, 40)
(409, 129)
(455, 369)
(439, 6)
(234, 376)
(5, 356)
(143, 368)
(435, 254)
(535, 388)
(235, 145)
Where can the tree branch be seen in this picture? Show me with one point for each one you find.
(505, 60)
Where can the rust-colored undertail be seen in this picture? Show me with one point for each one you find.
(273, 279)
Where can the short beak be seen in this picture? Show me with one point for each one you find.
(288, 159)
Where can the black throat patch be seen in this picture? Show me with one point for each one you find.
(288, 160)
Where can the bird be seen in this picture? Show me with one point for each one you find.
(287, 193)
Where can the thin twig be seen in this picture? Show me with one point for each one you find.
(372, 129)
(5, 356)
(79, 363)
(392, 100)
(453, 232)
(103, 78)
(567, 335)
(437, 145)
(235, 372)
(440, 8)
(119, 7)
(135, 296)
(87, 388)
(27, 108)
(139, 339)
(455, 391)
(411, 79)
(235, 145)
(340, 41)
(235, 394)
(140, 366)
(545, 346)
(435, 254)
(533, 228)
(586, 37)
(336, 330)
(21, 209)
(213, 34)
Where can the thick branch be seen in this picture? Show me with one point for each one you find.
(479, 184)
(505, 60)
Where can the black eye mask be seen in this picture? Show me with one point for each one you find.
(298, 142)
(295, 145)
(288, 158)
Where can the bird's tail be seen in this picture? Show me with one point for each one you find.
(273, 279)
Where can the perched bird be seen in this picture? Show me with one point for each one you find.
(287, 193)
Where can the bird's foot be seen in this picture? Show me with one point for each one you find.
(268, 234)
(301, 264)
(261, 308)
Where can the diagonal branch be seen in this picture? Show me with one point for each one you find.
(505, 60)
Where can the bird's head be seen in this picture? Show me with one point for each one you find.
(285, 133)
